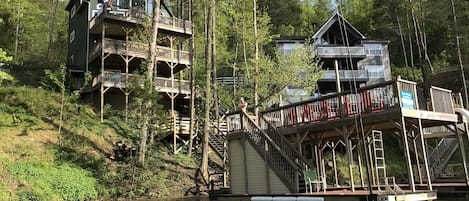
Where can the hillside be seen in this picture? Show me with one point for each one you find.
(38, 164)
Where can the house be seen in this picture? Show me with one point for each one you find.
(101, 43)
(360, 61)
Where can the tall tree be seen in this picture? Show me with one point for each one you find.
(52, 17)
(152, 54)
(256, 59)
(208, 92)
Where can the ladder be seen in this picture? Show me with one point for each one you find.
(378, 153)
(390, 185)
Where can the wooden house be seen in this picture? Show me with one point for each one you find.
(360, 61)
(102, 42)
(276, 152)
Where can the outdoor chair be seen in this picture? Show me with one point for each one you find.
(312, 178)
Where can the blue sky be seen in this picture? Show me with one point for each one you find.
(333, 3)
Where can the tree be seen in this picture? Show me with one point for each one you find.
(208, 94)
(148, 95)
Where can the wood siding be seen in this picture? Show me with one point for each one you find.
(78, 47)
(237, 172)
(261, 178)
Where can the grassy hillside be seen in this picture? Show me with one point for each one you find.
(38, 164)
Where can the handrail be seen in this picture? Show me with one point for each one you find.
(329, 96)
(285, 145)
(280, 162)
(117, 78)
(440, 98)
(368, 99)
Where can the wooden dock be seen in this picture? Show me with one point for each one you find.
(351, 120)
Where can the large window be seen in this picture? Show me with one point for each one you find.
(375, 71)
(123, 4)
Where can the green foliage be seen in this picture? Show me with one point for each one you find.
(4, 57)
(46, 182)
(27, 22)
(5, 78)
(408, 73)
(145, 105)
(54, 80)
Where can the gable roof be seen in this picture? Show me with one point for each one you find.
(334, 18)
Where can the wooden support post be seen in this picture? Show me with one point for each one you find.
(266, 163)
(334, 164)
(416, 153)
(350, 162)
(463, 153)
(103, 34)
(407, 156)
(370, 160)
(425, 160)
(360, 167)
(316, 157)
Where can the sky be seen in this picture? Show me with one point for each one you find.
(333, 3)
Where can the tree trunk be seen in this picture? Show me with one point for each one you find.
(149, 76)
(208, 94)
(461, 67)
(52, 17)
(404, 52)
(411, 49)
(214, 68)
(256, 49)
(17, 30)
(192, 82)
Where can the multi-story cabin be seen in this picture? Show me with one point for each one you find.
(101, 42)
(360, 61)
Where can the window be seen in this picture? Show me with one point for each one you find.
(373, 49)
(72, 36)
(71, 59)
(375, 71)
(123, 4)
(73, 11)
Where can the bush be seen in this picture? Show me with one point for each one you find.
(47, 182)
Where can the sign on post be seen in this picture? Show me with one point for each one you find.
(407, 99)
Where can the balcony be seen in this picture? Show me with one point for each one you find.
(118, 80)
(340, 52)
(346, 75)
(139, 50)
(136, 16)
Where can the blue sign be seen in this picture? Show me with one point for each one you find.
(407, 99)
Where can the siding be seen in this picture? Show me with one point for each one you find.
(78, 48)
(236, 161)
(259, 180)
(256, 171)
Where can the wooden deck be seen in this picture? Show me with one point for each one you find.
(350, 120)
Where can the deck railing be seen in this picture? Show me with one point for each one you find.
(442, 100)
(374, 98)
(346, 75)
(139, 49)
(340, 51)
(137, 15)
(368, 99)
(282, 163)
(116, 79)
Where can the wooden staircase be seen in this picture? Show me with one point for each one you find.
(281, 157)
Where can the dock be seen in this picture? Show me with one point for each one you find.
(289, 149)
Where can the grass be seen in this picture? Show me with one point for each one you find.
(36, 163)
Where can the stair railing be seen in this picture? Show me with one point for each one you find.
(281, 163)
(285, 145)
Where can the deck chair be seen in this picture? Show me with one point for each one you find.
(312, 178)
